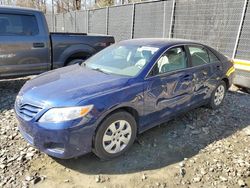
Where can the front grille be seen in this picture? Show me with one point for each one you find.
(27, 111)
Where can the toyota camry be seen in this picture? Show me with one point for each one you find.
(102, 104)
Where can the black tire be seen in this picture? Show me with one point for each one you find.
(247, 90)
(212, 103)
(99, 149)
(74, 61)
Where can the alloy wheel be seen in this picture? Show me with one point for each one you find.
(219, 95)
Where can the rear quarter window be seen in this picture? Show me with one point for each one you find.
(17, 24)
(199, 55)
(213, 58)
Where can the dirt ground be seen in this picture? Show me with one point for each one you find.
(202, 148)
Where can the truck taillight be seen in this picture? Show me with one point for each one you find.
(101, 44)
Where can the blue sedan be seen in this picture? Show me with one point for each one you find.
(102, 104)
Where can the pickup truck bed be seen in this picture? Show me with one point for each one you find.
(76, 45)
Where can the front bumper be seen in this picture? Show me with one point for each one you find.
(58, 142)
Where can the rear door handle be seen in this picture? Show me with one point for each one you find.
(219, 67)
(38, 45)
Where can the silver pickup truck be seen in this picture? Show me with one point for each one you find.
(27, 47)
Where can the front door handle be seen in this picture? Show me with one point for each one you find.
(204, 73)
(187, 77)
(38, 45)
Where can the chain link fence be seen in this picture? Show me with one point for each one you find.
(121, 26)
(222, 24)
(49, 18)
(213, 22)
(70, 22)
(59, 23)
(81, 22)
(148, 21)
(243, 49)
(97, 21)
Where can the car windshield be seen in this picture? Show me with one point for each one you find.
(126, 60)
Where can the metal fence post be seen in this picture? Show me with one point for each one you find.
(87, 21)
(63, 22)
(132, 21)
(75, 21)
(53, 22)
(172, 20)
(107, 19)
(164, 20)
(54, 30)
(240, 28)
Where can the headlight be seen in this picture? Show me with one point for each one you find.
(55, 115)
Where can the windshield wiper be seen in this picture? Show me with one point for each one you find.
(100, 70)
(96, 69)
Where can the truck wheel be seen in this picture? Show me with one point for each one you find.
(115, 135)
(74, 61)
(218, 95)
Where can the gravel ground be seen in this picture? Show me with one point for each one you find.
(202, 148)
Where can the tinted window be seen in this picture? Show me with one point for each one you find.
(13, 24)
(173, 59)
(199, 56)
(213, 58)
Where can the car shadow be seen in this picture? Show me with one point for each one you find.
(9, 89)
(173, 141)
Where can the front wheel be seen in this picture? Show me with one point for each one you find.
(218, 96)
(115, 135)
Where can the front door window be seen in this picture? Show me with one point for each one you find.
(172, 60)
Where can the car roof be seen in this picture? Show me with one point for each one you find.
(158, 42)
(17, 9)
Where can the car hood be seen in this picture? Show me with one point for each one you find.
(69, 86)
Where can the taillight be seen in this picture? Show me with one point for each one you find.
(103, 44)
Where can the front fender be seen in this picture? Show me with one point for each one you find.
(127, 97)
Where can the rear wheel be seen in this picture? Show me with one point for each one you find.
(115, 135)
(75, 61)
(248, 90)
(218, 95)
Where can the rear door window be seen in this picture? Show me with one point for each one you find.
(17, 24)
(199, 55)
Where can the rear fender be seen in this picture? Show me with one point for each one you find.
(68, 52)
